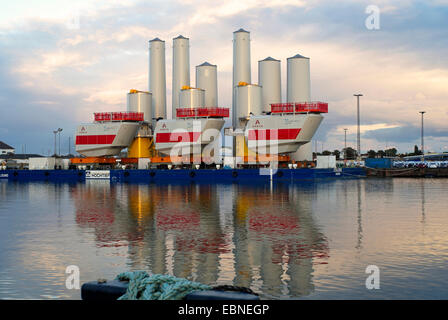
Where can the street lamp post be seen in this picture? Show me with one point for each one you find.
(55, 132)
(59, 130)
(423, 144)
(345, 143)
(359, 130)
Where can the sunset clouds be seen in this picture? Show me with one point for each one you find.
(60, 62)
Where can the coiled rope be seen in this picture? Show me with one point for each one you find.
(143, 286)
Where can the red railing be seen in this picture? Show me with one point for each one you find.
(119, 116)
(185, 113)
(300, 107)
(210, 112)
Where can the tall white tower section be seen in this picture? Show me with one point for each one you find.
(269, 78)
(241, 66)
(298, 74)
(181, 70)
(207, 79)
(299, 90)
(157, 77)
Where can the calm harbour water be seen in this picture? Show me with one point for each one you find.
(285, 241)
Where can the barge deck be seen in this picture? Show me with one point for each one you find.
(182, 175)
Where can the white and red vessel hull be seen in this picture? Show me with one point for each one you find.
(104, 138)
(280, 133)
(189, 135)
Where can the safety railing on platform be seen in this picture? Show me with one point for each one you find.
(119, 116)
(205, 112)
(300, 107)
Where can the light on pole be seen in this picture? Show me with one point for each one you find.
(345, 143)
(423, 144)
(359, 130)
(55, 132)
(59, 130)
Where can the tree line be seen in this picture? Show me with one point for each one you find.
(351, 154)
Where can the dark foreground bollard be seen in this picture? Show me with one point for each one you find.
(220, 295)
(112, 290)
(108, 290)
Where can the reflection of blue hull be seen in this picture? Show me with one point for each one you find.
(202, 175)
(43, 175)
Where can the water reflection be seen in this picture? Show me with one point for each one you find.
(276, 240)
(308, 240)
(359, 219)
(98, 207)
(260, 237)
(422, 192)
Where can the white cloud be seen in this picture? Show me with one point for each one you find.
(108, 55)
(106, 98)
(49, 62)
(365, 127)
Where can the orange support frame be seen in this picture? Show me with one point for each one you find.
(170, 160)
(128, 160)
(266, 158)
(89, 160)
(102, 160)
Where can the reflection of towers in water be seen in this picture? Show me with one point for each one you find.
(216, 234)
(140, 202)
(276, 240)
(198, 248)
(182, 234)
(99, 207)
(95, 209)
(164, 229)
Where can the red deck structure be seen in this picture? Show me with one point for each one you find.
(300, 107)
(206, 112)
(118, 116)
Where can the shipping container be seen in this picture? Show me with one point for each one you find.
(379, 163)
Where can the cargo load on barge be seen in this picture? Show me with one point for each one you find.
(271, 136)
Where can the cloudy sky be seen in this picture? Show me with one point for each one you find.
(60, 61)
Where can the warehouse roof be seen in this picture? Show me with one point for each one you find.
(20, 156)
(5, 146)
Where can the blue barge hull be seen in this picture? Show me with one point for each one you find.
(185, 175)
